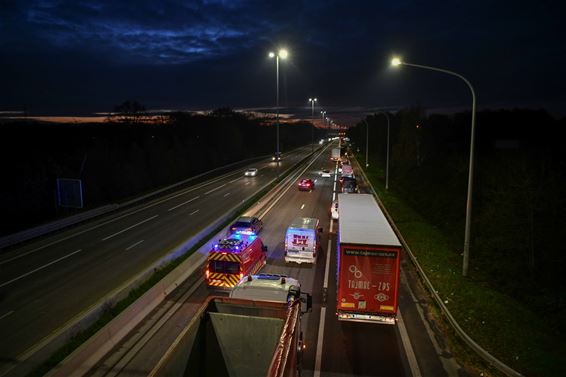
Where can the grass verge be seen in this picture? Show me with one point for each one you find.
(509, 331)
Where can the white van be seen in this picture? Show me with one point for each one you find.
(302, 240)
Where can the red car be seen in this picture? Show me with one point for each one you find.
(306, 185)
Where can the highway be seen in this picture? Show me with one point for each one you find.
(46, 283)
(333, 348)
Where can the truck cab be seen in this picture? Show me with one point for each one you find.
(273, 288)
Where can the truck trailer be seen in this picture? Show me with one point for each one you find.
(257, 332)
(368, 265)
(335, 154)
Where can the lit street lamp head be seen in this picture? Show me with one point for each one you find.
(283, 53)
(396, 62)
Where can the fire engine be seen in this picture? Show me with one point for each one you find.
(232, 258)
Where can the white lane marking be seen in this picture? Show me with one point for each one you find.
(134, 245)
(411, 358)
(234, 180)
(319, 343)
(225, 195)
(327, 268)
(318, 359)
(40, 268)
(214, 189)
(303, 206)
(192, 213)
(7, 314)
(247, 183)
(130, 227)
(182, 204)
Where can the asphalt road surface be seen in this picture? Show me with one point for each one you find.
(333, 348)
(44, 284)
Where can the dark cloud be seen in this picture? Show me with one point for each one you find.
(76, 56)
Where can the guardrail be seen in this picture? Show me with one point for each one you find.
(492, 360)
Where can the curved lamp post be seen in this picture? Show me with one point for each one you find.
(397, 62)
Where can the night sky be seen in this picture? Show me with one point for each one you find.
(78, 57)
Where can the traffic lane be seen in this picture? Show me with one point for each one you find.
(22, 271)
(14, 270)
(267, 170)
(304, 204)
(149, 354)
(99, 270)
(117, 223)
(427, 354)
(355, 348)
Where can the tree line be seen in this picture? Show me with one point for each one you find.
(123, 157)
(519, 192)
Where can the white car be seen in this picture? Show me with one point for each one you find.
(325, 173)
(251, 172)
(334, 210)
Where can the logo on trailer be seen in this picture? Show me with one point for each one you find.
(357, 273)
(381, 297)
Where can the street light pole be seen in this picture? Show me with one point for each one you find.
(323, 114)
(312, 101)
(397, 62)
(367, 142)
(282, 53)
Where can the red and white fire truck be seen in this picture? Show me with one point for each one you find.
(232, 258)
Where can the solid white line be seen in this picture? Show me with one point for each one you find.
(234, 180)
(327, 269)
(130, 227)
(225, 195)
(39, 268)
(7, 314)
(214, 189)
(192, 213)
(182, 204)
(319, 343)
(411, 358)
(303, 206)
(318, 359)
(134, 245)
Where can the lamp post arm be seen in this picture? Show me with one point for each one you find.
(471, 168)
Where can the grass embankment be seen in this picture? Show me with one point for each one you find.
(501, 325)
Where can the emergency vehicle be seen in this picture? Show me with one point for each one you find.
(232, 258)
(302, 240)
